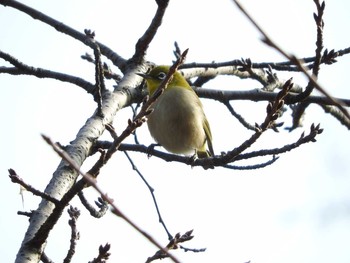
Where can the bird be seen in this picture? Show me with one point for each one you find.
(177, 121)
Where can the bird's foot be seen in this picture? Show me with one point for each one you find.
(150, 149)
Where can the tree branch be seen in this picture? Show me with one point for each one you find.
(168, 157)
(301, 107)
(261, 95)
(74, 214)
(151, 190)
(16, 179)
(23, 69)
(46, 215)
(61, 27)
(103, 254)
(174, 244)
(92, 181)
(145, 110)
(293, 59)
(279, 66)
(101, 204)
(143, 43)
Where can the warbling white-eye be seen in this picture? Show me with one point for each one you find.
(178, 122)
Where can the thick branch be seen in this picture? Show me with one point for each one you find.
(260, 95)
(92, 181)
(46, 216)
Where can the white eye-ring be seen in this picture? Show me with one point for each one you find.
(161, 75)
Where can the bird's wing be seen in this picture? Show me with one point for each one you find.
(209, 136)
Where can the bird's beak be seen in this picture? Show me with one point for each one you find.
(145, 76)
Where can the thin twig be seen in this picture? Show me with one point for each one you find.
(299, 109)
(16, 179)
(134, 113)
(99, 73)
(28, 214)
(22, 69)
(107, 71)
(238, 116)
(63, 28)
(279, 66)
(74, 214)
(252, 167)
(102, 205)
(311, 137)
(92, 181)
(174, 244)
(319, 47)
(103, 254)
(314, 131)
(151, 190)
(143, 43)
(273, 109)
(293, 59)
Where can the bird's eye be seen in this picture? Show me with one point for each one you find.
(161, 75)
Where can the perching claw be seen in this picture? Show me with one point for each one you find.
(150, 149)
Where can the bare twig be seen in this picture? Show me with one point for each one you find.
(143, 43)
(174, 244)
(279, 66)
(103, 254)
(92, 181)
(258, 75)
(311, 137)
(63, 28)
(22, 69)
(314, 131)
(293, 59)
(251, 167)
(28, 214)
(99, 73)
(101, 204)
(273, 109)
(74, 214)
(238, 116)
(151, 190)
(177, 52)
(134, 113)
(300, 108)
(16, 179)
(319, 42)
(107, 71)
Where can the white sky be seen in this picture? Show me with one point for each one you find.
(294, 211)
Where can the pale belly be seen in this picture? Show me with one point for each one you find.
(176, 123)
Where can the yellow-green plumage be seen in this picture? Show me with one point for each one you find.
(178, 121)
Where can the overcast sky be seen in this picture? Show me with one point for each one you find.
(296, 210)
